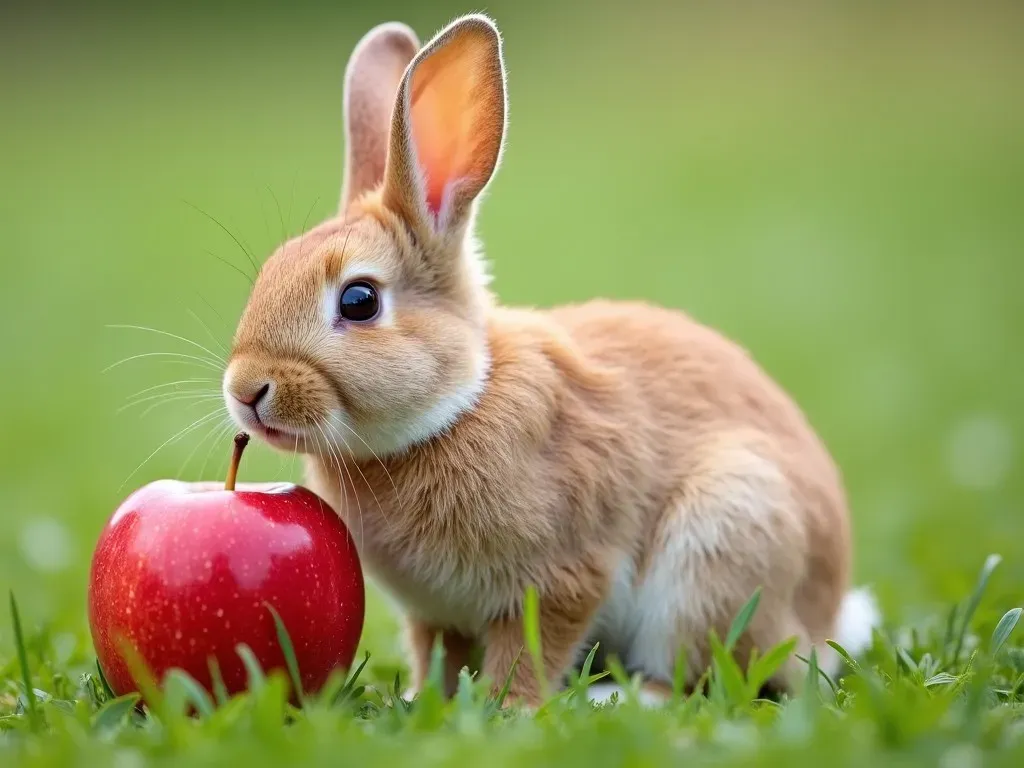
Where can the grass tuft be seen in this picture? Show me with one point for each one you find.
(921, 695)
(26, 675)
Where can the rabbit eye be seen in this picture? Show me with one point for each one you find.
(359, 302)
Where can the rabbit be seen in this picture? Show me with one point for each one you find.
(637, 469)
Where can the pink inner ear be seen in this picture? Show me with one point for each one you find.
(435, 196)
(438, 151)
(455, 120)
(446, 120)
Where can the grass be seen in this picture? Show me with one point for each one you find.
(835, 185)
(948, 693)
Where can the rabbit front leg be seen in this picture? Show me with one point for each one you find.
(420, 637)
(563, 620)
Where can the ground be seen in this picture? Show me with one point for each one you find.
(944, 696)
(837, 187)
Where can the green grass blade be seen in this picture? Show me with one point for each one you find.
(1003, 630)
(964, 678)
(742, 620)
(822, 674)
(112, 714)
(193, 692)
(728, 673)
(506, 687)
(812, 695)
(107, 690)
(285, 641)
(588, 663)
(26, 675)
(766, 666)
(430, 701)
(991, 563)
(909, 664)
(697, 697)
(435, 671)
(844, 654)
(465, 700)
(151, 693)
(1018, 687)
(584, 680)
(220, 691)
(679, 674)
(398, 700)
(346, 692)
(531, 632)
(257, 680)
(950, 633)
(330, 689)
(942, 678)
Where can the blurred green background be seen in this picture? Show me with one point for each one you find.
(838, 186)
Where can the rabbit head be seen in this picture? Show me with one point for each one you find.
(369, 331)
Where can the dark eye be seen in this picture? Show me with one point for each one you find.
(359, 302)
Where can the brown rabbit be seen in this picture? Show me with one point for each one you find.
(637, 468)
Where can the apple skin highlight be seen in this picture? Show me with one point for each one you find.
(184, 571)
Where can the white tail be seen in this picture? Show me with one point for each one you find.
(858, 617)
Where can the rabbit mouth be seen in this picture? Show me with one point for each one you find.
(283, 439)
(277, 437)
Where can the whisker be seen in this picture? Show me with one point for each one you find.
(375, 456)
(171, 384)
(291, 200)
(343, 495)
(283, 457)
(177, 356)
(305, 221)
(176, 436)
(225, 430)
(213, 428)
(170, 397)
(196, 401)
(213, 309)
(295, 451)
(366, 482)
(209, 333)
(213, 355)
(284, 229)
(235, 267)
(263, 215)
(229, 233)
(341, 479)
(343, 467)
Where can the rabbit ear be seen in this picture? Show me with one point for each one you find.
(372, 77)
(448, 127)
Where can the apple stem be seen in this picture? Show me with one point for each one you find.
(241, 440)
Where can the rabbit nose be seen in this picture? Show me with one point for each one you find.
(252, 399)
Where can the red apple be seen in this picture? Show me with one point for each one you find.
(184, 572)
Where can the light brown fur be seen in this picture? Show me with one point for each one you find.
(584, 443)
